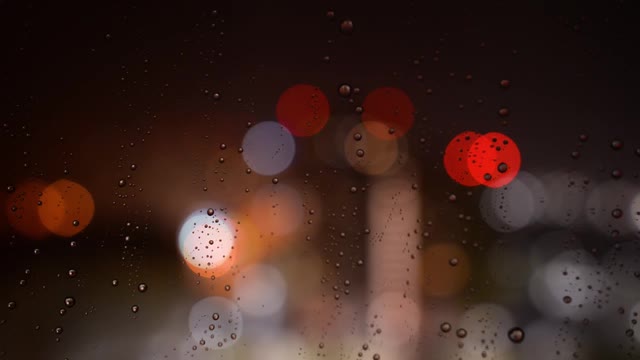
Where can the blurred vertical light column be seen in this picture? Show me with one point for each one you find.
(393, 213)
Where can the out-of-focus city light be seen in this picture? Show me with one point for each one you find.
(456, 158)
(368, 154)
(388, 113)
(570, 286)
(268, 148)
(207, 242)
(261, 290)
(276, 210)
(494, 159)
(446, 269)
(509, 208)
(303, 109)
(215, 322)
(22, 206)
(67, 208)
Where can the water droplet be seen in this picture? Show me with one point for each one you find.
(114, 282)
(72, 273)
(616, 173)
(505, 84)
(227, 287)
(487, 177)
(629, 332)
(376, 357)
(346, 27)
(453, 261)
(353, 189)
(12, 305)
(461, 333)
(275, 180)
(210, 211)
(453, 198)
(135, 308)
(503, 112)
(122, 182)
(75, 223)
(583, 137)
(516, 335)
(59, 330)
(142, 287)
(344, 90)
(357, 136)
(69, 301)
(360, 153)
(567, 299)
(133, 167)
(502, 168)
(617, 144)
(215, 316)
(11, 189)
(616, 213)
(445, 327)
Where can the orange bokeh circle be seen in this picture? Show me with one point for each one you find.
(67, 208)
(388, 113)
(22, 209)
(303, 109)
(441, 278)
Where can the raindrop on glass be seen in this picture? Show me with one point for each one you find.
(445, 327)
(344, 90)
(516, 335)
(617, 144)
(346, 27)
(69, 301)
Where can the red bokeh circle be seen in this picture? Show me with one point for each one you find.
(455, 158)
(494, 160)
(303, 109)
(390, 107)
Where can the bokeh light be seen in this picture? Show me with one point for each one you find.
(67, 208)
(570, 286)
(509, 208)
(446, 269)
(547, 339)
(494, 160)
(261, 290)
(215, 322)
(22, 207)
(456, 155)
(565, 193)
(303, 109)
(207, 242)
(388, 113)
(3, 215)
(486, 327)
(369, 154)
(398, 315)
(268, 148)
(277, 210)
(606, 207)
